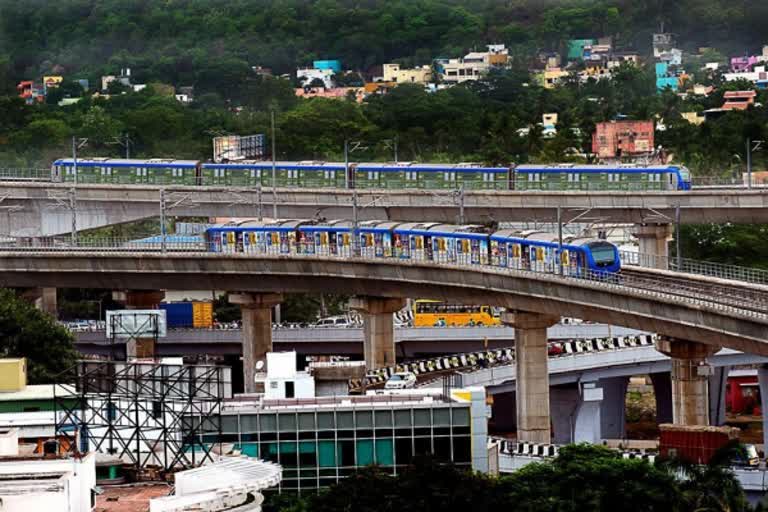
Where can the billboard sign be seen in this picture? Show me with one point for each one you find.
(136, 323)
(239, 147)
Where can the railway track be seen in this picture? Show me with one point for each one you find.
(750, 297)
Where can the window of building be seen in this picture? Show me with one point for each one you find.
(287, 422)
(365, 452)
(385, 452)
(403, 451)
(326, 454)
(307, 421)
(462, 449)
(290, 389)
(346, 453)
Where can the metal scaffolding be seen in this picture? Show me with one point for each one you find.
(148, 414)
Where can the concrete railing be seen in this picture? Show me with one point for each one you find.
(496, 357)
(702, 268)
(730, 297)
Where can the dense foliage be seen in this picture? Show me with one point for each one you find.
(28, 332)
(205, 43)
(582, 478)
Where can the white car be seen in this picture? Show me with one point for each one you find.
(401, 380)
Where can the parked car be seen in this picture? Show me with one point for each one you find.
(401, 380)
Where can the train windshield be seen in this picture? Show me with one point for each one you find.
(603, 253)
(685, 174)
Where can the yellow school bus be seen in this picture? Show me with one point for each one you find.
(433, 313)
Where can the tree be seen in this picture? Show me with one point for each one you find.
(27, 332)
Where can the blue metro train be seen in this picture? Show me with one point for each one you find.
(419, 241)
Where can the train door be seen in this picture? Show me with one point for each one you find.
(273, 242)
(228, 241)
(386, 244)
(249, 241)
(343, 244)
(378, 244)
(416, 244)
(476, 257)
(401, 246)
(498, 253)
(367, 244)
(320, 243)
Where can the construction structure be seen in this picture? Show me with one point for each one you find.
(147, 414)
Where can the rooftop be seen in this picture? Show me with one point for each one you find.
(132, 498)
(33, 392)
(410, 397)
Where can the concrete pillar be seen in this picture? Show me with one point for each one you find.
(717, 393)
(762, 379)
(257, 333)
(690, 373)
(378, 329)
(653, 241)
(564, 403)
(662, 390)
(532, 376)
(139, 299)
(587, 427)
(613, 410)
(44, 299)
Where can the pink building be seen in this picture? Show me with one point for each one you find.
(337, 93)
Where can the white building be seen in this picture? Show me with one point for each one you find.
(307, 75)
(473, 65)
(758, 75)
(57, 484)
(284, 381)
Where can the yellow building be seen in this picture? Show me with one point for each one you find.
(13, 375)
(694, 118)
(553, 76)
(393, 73)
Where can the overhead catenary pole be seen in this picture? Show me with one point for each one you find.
(355, 244)
(678, 253)
(274, 169)
(346, 164)
(559, 240)
(460, 195)
(395, 146)
(749, 163)
(162, 220)
(73, 192)
(127, 146)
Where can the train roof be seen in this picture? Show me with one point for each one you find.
(264, 164)
(410, 166)
(124, 162)
(617, 168)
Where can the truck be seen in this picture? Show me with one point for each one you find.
(693, 443)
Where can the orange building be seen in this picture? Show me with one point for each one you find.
(615, 139)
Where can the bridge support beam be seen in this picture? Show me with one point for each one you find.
(378, 329)
(762, 379)
(139, 299)
(717, 393)
(613, 412)
(654, 240)
(257, 333)
(43, 299)
(690, 379)
(662, 390)
(532, 374)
